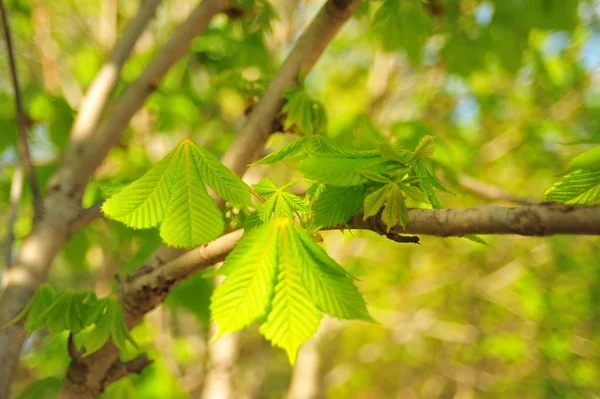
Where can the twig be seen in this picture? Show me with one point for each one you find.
(16, 189)
(86, 216)
(22, 142)
(72, 349)
(120, 369)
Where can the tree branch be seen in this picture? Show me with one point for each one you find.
(307, 50)
(16, 190)
(544, 219)
(62, 201)
(86, 216)
(86, 151)
(146, 288)
(97, 96)
(22, 141)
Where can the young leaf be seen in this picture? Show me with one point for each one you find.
(335, 205)
(425, 148)
(579, 187)
(192, 217)
(267, 209)
(391, 199)
(376, 177)
(173, 192)
(143, 203)
(98, 336)
(328, 283)
(294, 202)
(250, 268)
(293, 317)
(226, 184)
(340, 171)
(285, 152)
(395, 212)
(265, 187)
(43, 297)
(118, 329)
(280, 275)
(304, 111)
(374, 201)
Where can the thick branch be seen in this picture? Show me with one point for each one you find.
(22, 141)
(86, 151)
(301, 60)
(533, 220)
(62, 202)
(97, 96)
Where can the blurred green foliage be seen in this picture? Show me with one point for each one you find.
(508, 88)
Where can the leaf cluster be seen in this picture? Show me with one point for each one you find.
(280, 277)
(92, 320)
(173, 194)
(376, 180)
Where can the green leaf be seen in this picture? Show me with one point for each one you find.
(43, 297)
(400, 24)
(279, 275)
(338, 171)
(335, 205)
(293, 317)
(391, 199)
(265, 187)
(285, 152)
(143, 203)
(173, 192)
(580, 187)
(245, 294)
(587, 160)
(328, 283)
(304, 111)
(98, 336)
(108, 188)
(425, 148)
(118, 329)
(375, 201)
(192, 217)
(226, 184)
